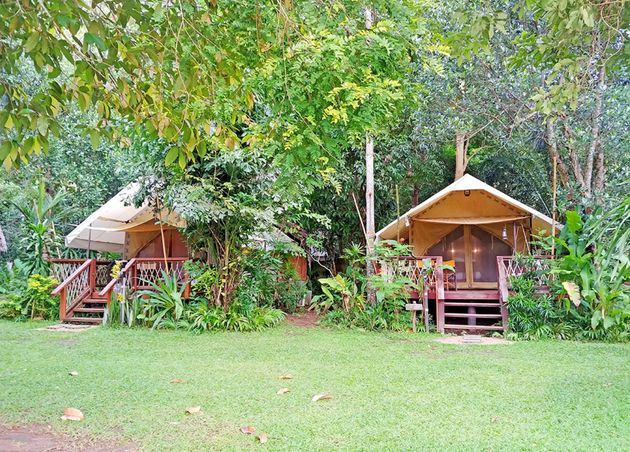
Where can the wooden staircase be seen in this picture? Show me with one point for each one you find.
(89, 310)
(79, 297)
(473, 310)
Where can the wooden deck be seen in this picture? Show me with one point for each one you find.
(468, 309)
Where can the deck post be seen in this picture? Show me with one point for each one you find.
(503, 291)
(92, 274)
(62, 305)
(439, 294)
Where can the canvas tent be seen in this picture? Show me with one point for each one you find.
(119, 226)
(470, 223)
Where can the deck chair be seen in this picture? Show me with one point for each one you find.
(450, 276)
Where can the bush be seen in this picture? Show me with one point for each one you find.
(38, 303)
(343, 298)
(203, 317)
(10, 309)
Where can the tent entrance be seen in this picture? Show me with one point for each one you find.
(474, 251)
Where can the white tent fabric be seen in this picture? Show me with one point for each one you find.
(104, 230)
(467, 214)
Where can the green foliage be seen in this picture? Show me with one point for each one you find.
(10, 309)
(343, 301)
(204, 279)
(24, 295)
(591, 299)
(221, 84)
(40, 240)
(164, 304)
(37, 301)
(203, 317)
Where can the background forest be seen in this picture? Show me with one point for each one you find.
(245, 114)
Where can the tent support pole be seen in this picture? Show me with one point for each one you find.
(157, 204)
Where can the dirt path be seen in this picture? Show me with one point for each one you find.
(40, 438)
(306, 319)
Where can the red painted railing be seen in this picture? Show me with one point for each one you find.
(76, 286)
(139, 273)
(510, 266)
(427, 278)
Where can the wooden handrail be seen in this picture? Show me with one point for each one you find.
(72, 277)
(76, 261)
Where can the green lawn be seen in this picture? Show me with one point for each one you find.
(390, 391)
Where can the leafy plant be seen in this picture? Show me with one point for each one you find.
(37, 299)
(164, 301)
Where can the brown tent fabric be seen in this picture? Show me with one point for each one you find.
(467, 201)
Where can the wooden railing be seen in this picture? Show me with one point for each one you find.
(76, 286)
(537, 267)
(139, 273)
(426, 274)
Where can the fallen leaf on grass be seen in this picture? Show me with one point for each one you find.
(74, 373)
(322, 396)
(285, 377)
(248, 430)
(178, 380)
(193, 409)
(72, 414)
(282, 391)
(263, 438)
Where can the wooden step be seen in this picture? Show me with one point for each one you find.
(466, 304)
(472, 316)
(94, 301)
(473, 327)
(469, 294)
(93, 320)
(95, 310)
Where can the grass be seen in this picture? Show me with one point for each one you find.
(390, 391)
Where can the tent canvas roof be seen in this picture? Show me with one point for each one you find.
(104, 230)
(475, 214)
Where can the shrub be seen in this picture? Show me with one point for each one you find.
(343, 298)
(38, 303)
(203, 317)
(164, 303)
(10, 309)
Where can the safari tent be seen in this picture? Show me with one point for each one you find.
(470, 232)
(471, 223)
(121, 227)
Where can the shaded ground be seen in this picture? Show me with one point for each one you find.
(389, 391)
(41, 438)
(307, 319)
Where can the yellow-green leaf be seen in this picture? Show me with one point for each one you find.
(95, 138)
(171, 156)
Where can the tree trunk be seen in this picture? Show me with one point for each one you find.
(368, 14)
(461, 160)
(369, 215)
(552, 146)
(595, 147)
(415, 195)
